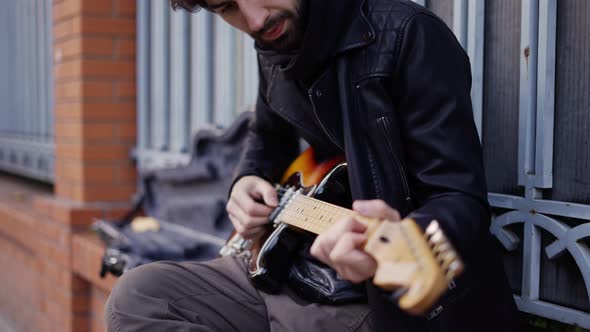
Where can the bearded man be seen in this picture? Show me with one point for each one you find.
(386, 84)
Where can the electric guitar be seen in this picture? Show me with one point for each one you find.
(311, 198)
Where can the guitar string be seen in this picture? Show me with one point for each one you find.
(299, 204)
(329, 211)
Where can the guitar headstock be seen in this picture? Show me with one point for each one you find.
(421, 264)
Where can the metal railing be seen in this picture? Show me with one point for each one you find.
(26, 88)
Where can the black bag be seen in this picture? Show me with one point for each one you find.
(188, 202)
(316, 282)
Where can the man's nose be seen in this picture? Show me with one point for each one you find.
(255, 16)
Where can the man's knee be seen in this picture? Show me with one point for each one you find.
(140, 280)
(136, 295)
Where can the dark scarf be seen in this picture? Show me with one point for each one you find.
(326, 23)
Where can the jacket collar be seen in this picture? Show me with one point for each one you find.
(360, 33)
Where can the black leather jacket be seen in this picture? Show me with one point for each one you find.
(396, 100)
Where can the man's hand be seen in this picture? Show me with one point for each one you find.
(341, 245)
(251, 201)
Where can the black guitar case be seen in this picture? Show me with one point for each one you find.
(187, 201)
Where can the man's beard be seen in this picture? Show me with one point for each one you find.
(292, 36)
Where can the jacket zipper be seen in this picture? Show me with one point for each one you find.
(384, 125)
(315, 113)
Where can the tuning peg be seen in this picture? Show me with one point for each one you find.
(442, 248)
(432, 228)
(447, 258)
(437, 238)
(445, 254)
(456, 267)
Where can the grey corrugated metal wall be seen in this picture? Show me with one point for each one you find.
(26, 110)
(531, 76)
(501, 94)
(194, 72)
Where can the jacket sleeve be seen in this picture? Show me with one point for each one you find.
(271, 143)
(444, 155)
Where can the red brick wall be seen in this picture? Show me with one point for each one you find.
(49, 279)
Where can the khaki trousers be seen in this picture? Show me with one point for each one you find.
(217, 296)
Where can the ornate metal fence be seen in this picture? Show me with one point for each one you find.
(531, 84)
(551, 203)
(26, 94)
(531, 99)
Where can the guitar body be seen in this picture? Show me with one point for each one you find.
(323, 180)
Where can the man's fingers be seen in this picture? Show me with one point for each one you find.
(269, 195)
(320, 248)
(245, 230)
(376, 209)
(264, 191)
(243, 216)
(348, 224)
(250, 206)
(350, 261)
(346, 244)
(324, 243)
(246, 226)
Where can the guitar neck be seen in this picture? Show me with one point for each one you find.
(315, 216)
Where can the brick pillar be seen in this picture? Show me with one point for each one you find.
(95, 122)
(95, 129)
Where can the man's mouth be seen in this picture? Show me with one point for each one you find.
(275, 32)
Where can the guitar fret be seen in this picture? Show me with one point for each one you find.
(311, 214)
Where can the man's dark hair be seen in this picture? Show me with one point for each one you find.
(189, 5)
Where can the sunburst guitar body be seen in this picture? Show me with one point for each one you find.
(313, 195)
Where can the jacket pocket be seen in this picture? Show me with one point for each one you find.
(385, 128)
